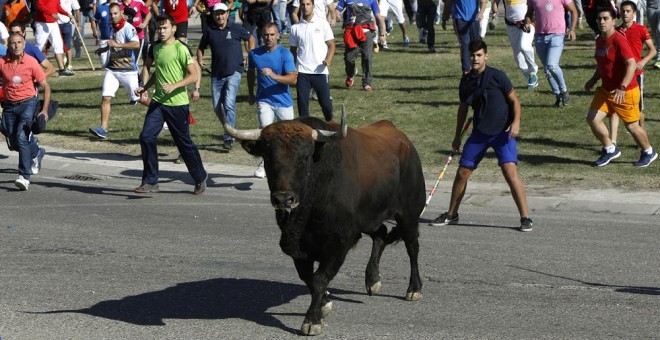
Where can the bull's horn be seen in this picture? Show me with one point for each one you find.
(323, 135)
(326, 136)
(238, 134)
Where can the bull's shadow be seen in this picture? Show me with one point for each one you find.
(214, 299)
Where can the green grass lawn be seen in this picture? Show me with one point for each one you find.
(416, 90)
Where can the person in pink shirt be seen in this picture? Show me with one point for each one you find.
(549, 39)
(141, 19)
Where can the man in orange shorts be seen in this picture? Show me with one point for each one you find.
(618, 93)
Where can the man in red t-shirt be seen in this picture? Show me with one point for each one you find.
(19, 72)
(618, 93)
(178, 9)
(638, 36)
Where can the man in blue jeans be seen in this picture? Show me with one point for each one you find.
(226, 62)
(551, 32)
(496, 124)
(174, 70)
(466, 14)
(19, 73)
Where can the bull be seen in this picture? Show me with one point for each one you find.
(329, 184)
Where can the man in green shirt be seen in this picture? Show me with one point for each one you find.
(174, 70)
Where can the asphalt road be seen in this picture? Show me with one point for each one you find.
(82, 257)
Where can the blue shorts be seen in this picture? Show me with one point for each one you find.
(476, 145)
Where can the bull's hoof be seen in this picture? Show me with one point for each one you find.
(413, 296)
(374, 289)
(326, 309)
(311, 329)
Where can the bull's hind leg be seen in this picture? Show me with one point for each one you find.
(372, 274)
(409, 232)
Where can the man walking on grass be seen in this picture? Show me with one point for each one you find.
(618, 93)
(174, 70)
(121, 68)
(226, 62)
(496, 124)
(313, 46)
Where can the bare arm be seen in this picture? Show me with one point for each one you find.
(574, 15)
(48, 67)
(512, 98)
(649, 56)
(46, 87)
(461, 116)
(290, 78)
(331, 52)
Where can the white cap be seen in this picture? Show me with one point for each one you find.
(220, 7)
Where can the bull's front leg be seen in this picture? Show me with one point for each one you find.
(313, 324)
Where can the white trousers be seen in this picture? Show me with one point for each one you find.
(523, 52)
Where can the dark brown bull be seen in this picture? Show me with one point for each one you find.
(327, 191)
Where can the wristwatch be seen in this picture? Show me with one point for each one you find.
(622, 88)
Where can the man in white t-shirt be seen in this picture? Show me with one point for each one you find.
(313, 46)
(324, 9)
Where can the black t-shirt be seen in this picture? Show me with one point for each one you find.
(492, 112)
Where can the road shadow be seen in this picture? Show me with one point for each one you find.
(214, 299)
(616, 288)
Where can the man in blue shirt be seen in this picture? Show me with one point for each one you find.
(466, 14)
(272, 66)
(359, 28)
(496, 124)
(226, 62)
(102, 27)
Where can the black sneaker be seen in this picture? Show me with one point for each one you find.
(565, 98)
(444, 219)
(228, 145)
(557, 100)
(525, 224)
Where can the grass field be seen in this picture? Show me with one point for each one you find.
(418, 92)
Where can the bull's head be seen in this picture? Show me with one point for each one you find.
(289, 150)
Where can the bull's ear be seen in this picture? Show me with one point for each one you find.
(253, 147)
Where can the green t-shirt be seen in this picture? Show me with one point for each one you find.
(171, 63)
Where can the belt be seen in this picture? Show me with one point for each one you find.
(17, 102)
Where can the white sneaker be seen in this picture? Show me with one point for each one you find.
(36, 161)
(260, 172)
(22, 183)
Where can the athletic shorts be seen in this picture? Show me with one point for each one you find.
(628, 111)
(396, 6)
(476, 145)
(127, 79)
(181, 30)
(50, 31)
(67, 34)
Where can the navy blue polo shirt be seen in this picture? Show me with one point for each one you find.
(226, 48)
(492, 112)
